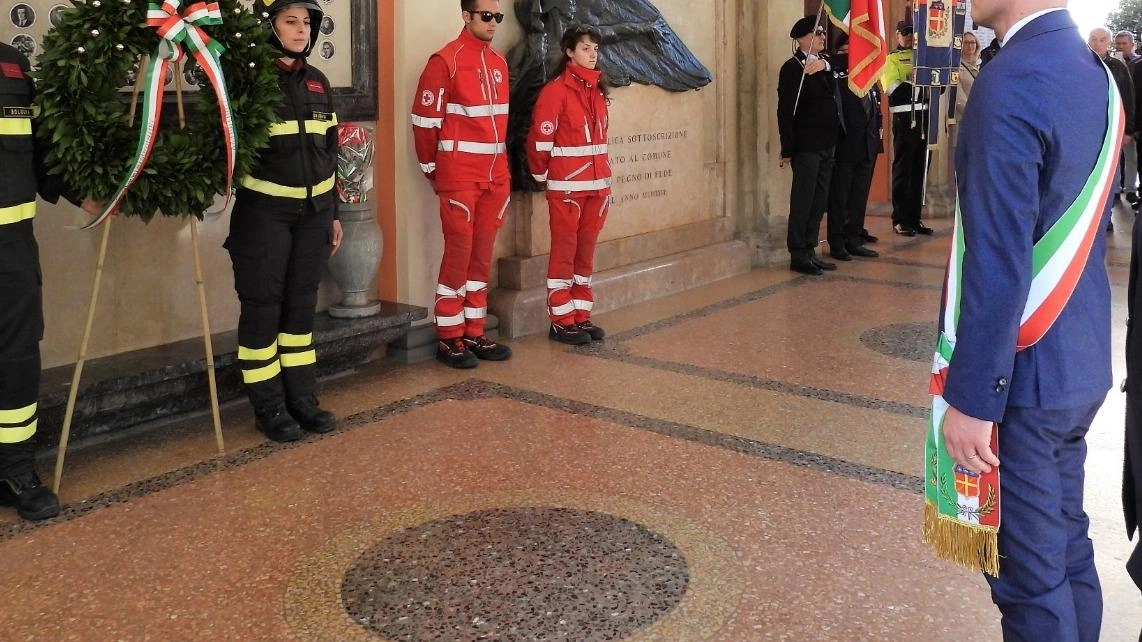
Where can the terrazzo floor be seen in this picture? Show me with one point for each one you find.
(739, 462)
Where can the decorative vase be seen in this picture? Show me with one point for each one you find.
(355, 263)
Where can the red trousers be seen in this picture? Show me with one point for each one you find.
(470, 219)
(575, 225)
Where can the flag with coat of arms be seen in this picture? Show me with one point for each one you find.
(863, 20)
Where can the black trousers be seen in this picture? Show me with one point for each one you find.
(21, 328)
(812, 173)
(848, 203)
(909, 157)
(278, 247)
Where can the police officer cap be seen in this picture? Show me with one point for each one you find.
(803, 27)
(904, 27)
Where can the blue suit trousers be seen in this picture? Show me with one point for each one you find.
(1047, 589)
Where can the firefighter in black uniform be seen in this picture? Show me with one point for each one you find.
(282, 230)
(909, 151)
(21, 308)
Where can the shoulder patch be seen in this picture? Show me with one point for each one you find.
(426, 97)
(547, 128)
(11, 70)
(315, 86)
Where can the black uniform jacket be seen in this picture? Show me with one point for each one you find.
(302, 152)
(861, 139)
(816, 123)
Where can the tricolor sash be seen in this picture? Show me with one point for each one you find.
(961, 507)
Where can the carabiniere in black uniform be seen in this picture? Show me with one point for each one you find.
(21, 303)
(280, 239)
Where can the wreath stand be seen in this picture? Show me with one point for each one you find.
(82, 354)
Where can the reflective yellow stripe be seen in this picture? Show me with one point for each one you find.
(273, 189)
(18, 415)
(17, 213)
(295, 340)
(261, 374)
(311, 127)
(258, 354)
(19, 434)
(295, 359)
(15, 126)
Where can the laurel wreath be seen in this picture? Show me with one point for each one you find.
(84, 117)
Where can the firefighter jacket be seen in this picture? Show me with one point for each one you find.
(460, 115)
(897, 81)
(21, 154)
(301, 159)
(567, 142)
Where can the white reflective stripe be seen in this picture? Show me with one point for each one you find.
(579, 186)
(558, 284)
(899, 109)
(18, 415)
(539, 178)
(566, 308)
(462, 206)
(476, 110)
(426, 122)
(475, 313)
(584, 150)
(580, 304)
(582, 280)
(428, 168)
(504, 208)
(18, 434)
(469, 147)
(476, 286)
(444, 290)
(575, 173)
(457, 319)
(544, 145)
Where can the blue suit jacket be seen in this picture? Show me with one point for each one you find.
(1028, 142)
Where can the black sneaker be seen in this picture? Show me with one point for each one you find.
(28, 494)
(923, 229)
(485, 348)
(903, 229)
(276, 423)
(309, 416)
(454, 354)
(595, 332)
(569, 334)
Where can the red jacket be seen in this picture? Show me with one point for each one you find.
(567, 143)
(460, 115)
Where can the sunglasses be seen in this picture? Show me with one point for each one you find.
(488, 16)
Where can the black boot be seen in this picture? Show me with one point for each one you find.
(595, 332)
(28, 494)
(569, 334)
(307, 413)
(276, 423)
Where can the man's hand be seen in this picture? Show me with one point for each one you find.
(968, 441)
(784, 162)
(338, 234)
(814, 66)
(95, 208)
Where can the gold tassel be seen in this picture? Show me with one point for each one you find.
(972, 546)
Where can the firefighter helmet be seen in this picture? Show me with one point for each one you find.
(270, 8)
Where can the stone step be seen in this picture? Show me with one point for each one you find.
(121, 391)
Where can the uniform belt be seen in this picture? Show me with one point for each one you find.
(17, 213)
(285, 191)
(900, 109)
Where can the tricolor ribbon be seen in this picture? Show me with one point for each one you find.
(177, 29)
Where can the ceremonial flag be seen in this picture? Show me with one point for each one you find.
(863, 20)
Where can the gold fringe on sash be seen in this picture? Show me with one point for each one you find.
(975, 547)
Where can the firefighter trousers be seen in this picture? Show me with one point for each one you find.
(470, 220)
(575, 225)
(21, 328)
(278, 247)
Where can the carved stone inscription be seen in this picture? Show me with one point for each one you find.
(643, 163)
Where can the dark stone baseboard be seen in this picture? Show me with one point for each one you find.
(121, 391)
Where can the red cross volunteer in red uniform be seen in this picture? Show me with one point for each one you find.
(459, 124)
(567, 149)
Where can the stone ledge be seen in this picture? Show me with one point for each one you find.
(525, 272)
(524, 312)
(120, 391)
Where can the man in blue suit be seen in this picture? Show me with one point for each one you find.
(1023, 161)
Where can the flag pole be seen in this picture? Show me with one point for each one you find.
(820, 10)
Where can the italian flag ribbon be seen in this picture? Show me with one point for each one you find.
(961, 507)
(178, 29)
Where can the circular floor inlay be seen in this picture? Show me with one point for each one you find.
(516, 573)
(912, 341)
